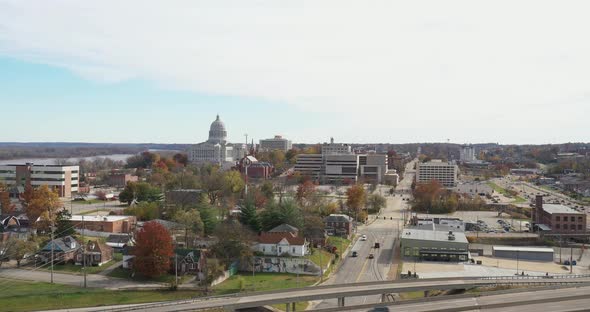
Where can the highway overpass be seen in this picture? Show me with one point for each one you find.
(289, 296)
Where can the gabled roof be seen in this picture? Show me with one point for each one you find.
(284, 228)
(275, 238)
(63, 244)
(119, 239)
(184, 252)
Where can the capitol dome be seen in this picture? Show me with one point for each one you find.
(217, 133)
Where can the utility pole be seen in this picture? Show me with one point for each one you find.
(176, 269)
(321, 267)
(84, 252)
(52, 244)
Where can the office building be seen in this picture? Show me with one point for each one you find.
(345, 168)
(276, 143)
(434, 243)
(335, 148)
(62, 179)
(467, 153)
(216, 149)
(443, 172)
(559, 219)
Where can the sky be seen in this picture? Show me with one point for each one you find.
(512, 72)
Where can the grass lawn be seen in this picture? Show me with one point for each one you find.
(339, 242)
(320, 256)
(498, 189)
(519, 200)
(72, 268)
(412, 295)
(262, 281)
(166, 278)
(28, 296)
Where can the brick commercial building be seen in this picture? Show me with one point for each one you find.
(110, 224)
(559, 218)
(121, 179)
(254, 169)
(63, 179)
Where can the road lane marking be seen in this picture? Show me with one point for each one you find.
(362, 270)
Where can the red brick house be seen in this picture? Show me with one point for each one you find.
(96, 254)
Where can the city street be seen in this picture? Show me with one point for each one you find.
(383, 230)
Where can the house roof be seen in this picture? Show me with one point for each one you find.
(337, 218)
(284, 228)
(275, 238)
(119, 239)
(170, 225)
(184, 252)
(64, 244)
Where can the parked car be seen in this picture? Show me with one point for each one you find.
(377, 245)
(371, 256)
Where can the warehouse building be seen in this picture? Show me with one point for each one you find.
(434, 243)
(523, 253)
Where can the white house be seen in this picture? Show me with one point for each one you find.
(278, 244)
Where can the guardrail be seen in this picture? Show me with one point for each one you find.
(236, 295)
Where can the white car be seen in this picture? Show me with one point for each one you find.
(364, 237)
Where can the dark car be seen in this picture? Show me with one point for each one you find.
(377, 245)
(354, 254)
(371, 256)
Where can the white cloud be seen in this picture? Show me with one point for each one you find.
(474, 64)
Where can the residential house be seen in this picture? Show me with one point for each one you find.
(95, 254)
(119, 241)
(317, 237)
(279, 244)
(128, 257)
(338, 224)
(64, 250)
(285, 228)
(190, 261)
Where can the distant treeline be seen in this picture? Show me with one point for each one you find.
(10, 150)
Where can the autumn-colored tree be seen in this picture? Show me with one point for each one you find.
(304, 193)
(181, 159)
(191, 220)
(44, 204)
(5, 204)
(153, 249)
(376, 202)
(356, 197)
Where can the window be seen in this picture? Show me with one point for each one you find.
(573, 219)
(579, 227)
(407, 251)
(580, 219)
(263, 249)
(280, 250)
(293, 250)
(557, 218)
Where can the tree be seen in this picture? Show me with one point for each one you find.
(5, 204)
(304, 193)
(44, 204)
(233, 182)
(276, 214)
(140, 191)
(213, 183)
(376, 202)
(191, 220)
(209, 218)
(144, 211)
(64, 228)
(356, 197)
(236, 242)
(153, 249)
(267, 188)
(249, 217)
(20, 249)
(181, 159)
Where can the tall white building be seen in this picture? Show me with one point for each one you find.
(276, 143)
(336, 148)
(467, 153)
(443, 172)
(216, 149)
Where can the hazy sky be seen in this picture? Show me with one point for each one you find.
(360, 71)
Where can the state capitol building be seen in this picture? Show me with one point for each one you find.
(216, 149)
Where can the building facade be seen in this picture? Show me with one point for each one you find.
(560, 219)
(336, 148)
(342, 168)
(443, 172)
(467, 153)
(109, 224)
(216, 149)
(276, 143)
(434, 244)
(62, 179)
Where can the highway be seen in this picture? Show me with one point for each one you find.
(348, 291)
(545, 299)
(383, 230)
